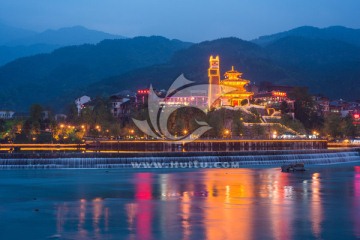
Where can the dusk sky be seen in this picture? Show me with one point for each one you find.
(191, 20)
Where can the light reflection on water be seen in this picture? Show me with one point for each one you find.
(356, 202)
(206, 204)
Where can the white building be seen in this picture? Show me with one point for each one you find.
(80, 102)
(119, 106)
(60, 117)
(6, 114)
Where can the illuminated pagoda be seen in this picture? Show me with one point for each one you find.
(232, 88)
(234, 80)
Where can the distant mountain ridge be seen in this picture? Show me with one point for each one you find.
(8, 33)
(76, 35)
(16, 43)
(348, 35)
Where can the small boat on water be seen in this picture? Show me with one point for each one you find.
(293, 167)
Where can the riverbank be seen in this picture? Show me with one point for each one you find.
(173, 159)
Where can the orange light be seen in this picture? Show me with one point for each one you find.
(279, 94)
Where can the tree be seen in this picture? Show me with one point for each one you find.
(237, 124)
(348, 127)
(333, 125)
(284, 107)
(36, 112)
(258, 131)
(2, 125)
(305, 109)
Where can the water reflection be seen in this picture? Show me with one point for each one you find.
(143, 217)
(356, 202)
(316, 205)
(207, 204)
(281, 209)
(82, 216)
(69, 216)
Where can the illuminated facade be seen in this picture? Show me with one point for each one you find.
(273, 99)
(235, 97)
(232, 90)
(214, 81)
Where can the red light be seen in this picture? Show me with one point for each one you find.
(143, 91)
(356, 116)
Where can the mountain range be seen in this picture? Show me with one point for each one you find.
(325, 60)
(16, 42)
(347, 35)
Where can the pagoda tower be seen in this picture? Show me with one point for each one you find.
(234, 97)
(214, 91)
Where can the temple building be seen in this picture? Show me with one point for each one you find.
(230, 91)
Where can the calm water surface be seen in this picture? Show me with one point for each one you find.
(322, 203)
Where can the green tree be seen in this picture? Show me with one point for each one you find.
(36, 112)
(284, 107)
(237, 124)
(348, 127)
(333, 125)
(258, 131)
(294, 124)
(305, 110)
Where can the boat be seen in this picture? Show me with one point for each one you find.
(297, 167)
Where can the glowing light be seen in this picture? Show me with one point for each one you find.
(279, 94)
(146, 91)
(274, 134)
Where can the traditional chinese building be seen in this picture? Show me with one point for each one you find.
(234, 92)
(230, 91)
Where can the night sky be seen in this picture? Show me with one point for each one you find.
(191, 20)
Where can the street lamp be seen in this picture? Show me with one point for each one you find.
(275, 134)
(226, 132)
(316, 134)
(131, 131)
(185, 132)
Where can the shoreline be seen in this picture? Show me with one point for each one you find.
(172, 160)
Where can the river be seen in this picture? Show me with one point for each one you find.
(246, 203)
